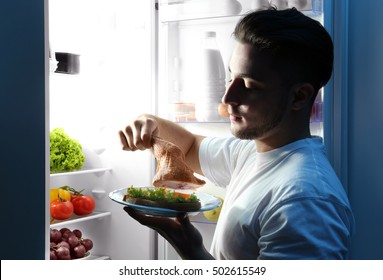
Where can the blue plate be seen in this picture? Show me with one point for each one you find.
(208, 202)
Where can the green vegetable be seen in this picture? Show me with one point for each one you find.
(161, 194)
(65, 153)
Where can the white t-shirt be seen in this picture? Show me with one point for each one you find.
(283, 204)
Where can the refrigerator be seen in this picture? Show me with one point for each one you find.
(128, 58)
(137, 57)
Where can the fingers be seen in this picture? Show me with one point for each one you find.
(183, 217)
(138, 135)
(130, 211)
(141, 218)
(135, 215)
(161, 225)
(183, 220)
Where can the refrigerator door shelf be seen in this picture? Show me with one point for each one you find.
(198, 9)
(172, 11)
(77, 219)
(97, 257)
(87, 171)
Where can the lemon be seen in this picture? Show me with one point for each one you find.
(213, 214)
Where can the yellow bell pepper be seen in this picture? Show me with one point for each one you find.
(59, 193)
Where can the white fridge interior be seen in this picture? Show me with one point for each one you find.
(114, 41)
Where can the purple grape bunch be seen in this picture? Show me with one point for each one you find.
(66, 244)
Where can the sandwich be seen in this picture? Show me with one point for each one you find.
(163, 198)
(172, 174)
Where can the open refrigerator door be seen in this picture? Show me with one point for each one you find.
(101, 77)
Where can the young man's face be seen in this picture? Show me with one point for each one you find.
(257, 102)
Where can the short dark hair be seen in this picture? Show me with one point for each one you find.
(301, 47)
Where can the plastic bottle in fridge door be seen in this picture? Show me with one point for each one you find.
(211, 82)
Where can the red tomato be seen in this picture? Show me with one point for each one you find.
(83, 205)
(73, 196)
(61, 209)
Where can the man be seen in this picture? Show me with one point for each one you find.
(283, 199)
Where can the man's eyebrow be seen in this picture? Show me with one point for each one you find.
(244, 75)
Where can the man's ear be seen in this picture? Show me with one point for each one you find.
(303, 94)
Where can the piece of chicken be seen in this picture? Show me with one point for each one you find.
(172, 170)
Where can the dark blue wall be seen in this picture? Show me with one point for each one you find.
(365, 88)
(22, 130)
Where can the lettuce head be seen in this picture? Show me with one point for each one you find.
(65, 153)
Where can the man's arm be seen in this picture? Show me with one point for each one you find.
(138, 136)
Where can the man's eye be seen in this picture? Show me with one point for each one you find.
(245, 83)
(249, 85)
(252, 85)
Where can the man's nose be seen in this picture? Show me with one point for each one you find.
(230, 94)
